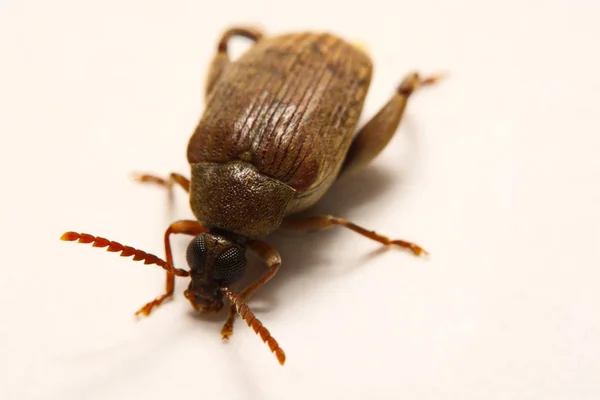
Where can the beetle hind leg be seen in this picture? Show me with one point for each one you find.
(221, 59)
(377, 133)
(251, 33)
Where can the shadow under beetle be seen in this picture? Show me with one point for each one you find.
(277, 130)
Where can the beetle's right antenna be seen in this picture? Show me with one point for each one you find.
(247, 315)
(126, 251)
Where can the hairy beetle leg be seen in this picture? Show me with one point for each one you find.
(327, 221)
(273, 260)
(185, 227)
(221, 60)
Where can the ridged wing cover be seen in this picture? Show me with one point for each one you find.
(289, 106)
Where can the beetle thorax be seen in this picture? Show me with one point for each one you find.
(237, 198)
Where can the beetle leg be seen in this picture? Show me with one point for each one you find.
(221, 59)
(188, 228)
(271, 257)
(167, 183)
(377, 133)
(327, 221)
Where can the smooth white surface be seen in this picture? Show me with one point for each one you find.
(496, 171)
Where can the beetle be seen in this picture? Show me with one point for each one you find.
(277, 130)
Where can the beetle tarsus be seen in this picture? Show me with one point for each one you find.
(227, 330)
(416, 249)
(146, 310)
(414, 81)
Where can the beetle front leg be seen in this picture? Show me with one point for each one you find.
(273, 260)
(327, 221)
(167, 183)
(377, 133)
(221, 59)
(188, 228)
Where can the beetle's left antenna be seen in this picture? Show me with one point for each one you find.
(247, 315)
(126, 251)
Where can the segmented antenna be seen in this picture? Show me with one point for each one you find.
(247, 315)
(126, 251)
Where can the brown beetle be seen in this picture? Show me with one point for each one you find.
(277, 131)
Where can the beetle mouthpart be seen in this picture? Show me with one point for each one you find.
(205, 305)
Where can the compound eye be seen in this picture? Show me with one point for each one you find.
(229, 266)
(195, 253)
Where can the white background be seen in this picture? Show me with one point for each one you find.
(496, 171)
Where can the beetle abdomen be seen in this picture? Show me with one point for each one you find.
(289, 106)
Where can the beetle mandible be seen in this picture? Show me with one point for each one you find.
(277, 130)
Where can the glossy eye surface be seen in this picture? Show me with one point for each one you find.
(195, 253)
(229, 266)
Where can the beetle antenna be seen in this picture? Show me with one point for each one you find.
(126, 251)
(247, 315)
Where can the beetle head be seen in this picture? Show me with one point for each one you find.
(215, 261)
